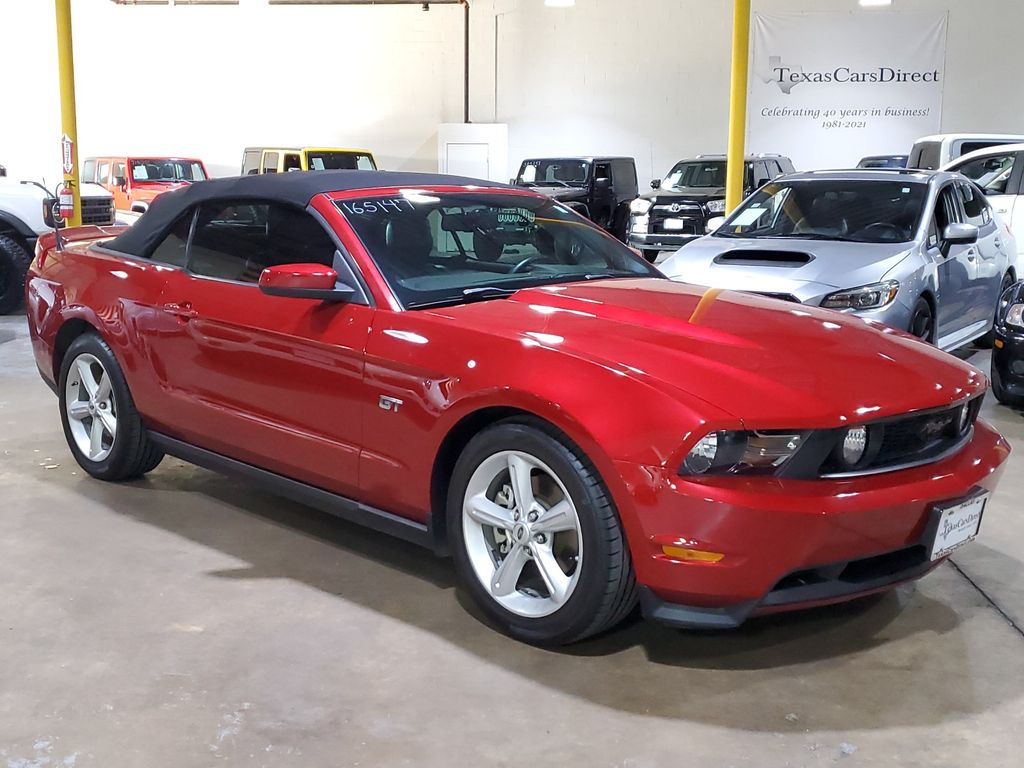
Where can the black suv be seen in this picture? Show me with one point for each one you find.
(680, 206)
(600, 188)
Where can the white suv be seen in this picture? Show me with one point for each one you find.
(24, 215)
(998, 171)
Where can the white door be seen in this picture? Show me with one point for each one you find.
(472, 160)
(999, 175)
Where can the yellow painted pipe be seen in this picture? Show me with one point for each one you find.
(68, 119)
(738, 104)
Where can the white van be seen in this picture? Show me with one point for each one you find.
(933, 152)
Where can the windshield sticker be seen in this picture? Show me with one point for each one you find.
(747, 217)
(377, 205)
(516, 216)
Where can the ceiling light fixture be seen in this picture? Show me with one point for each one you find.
(559, 3)
(874, 3)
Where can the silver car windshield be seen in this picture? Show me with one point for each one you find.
(860, 211)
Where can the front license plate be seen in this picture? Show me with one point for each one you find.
(958, 523)
(675, 225)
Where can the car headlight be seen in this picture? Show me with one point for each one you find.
(739, 452)
(640, 224)
(716, 206)
(640, 206)
(1016, 316)
(872, 296)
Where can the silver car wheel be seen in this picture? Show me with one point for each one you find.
(90, 408)
(522, 534)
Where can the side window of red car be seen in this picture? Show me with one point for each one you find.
(173, 248)
(238, 240)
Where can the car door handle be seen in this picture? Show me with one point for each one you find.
(180, 309)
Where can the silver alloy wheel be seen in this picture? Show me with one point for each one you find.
(522, 534)
(89, 403)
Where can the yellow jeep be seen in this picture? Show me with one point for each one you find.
(283, 160)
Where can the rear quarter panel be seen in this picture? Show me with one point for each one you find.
(115, 295)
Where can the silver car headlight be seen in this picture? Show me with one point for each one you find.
(740, 452)
(874, 296)
(716, 206)
(640, 206)
(1015, 316)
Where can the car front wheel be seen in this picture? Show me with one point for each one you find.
(536, 538)
(922, 321)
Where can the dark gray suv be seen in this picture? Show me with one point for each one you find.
(679, 206)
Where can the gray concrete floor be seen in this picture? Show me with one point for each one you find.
(186, 620)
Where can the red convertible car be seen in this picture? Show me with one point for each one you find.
(480, 370)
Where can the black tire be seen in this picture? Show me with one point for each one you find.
(922, 321)
(606, 591)
(986, 341)
(1004, 397)
(131, 453)
(14, 261)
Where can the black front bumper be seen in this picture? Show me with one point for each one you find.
(1008, 361)
(805, 588)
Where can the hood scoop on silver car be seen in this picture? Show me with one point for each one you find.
(764, 258)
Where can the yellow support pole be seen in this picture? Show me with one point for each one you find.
(738, 104)
(69, 121)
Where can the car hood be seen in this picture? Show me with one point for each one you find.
(560, 193)
(147, 190)
(782, 265)
(702, 194)
(766, 363)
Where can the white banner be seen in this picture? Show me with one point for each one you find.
(829, 88)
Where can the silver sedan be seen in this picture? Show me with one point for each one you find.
(916, 250)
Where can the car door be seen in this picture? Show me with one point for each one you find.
(269, 162)
(103, 174)
(999, 176)
(954, 268)
(991, 259)
(119, 185)
(604, 195)
(272, 381)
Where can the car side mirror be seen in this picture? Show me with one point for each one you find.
(958, 234)
(304, 281)
(714, 224)
(656, 184)
(120, 181)
(602, 183)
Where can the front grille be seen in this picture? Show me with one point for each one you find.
(691, 214)
(98, 210)
(907, 441)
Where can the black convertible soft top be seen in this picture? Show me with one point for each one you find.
(295, 189)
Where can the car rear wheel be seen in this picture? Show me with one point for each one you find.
(101, 424)
(536, 538)
(986, 341)
(922, 321)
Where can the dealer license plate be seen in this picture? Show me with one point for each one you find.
(675, 225)
(958, 524)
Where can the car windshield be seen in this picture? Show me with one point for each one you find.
(446, 249)
(708, 174)
(862, 211)
(171, 171)
(320, 160)
(564, 173)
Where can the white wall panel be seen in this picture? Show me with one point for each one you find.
(647, 78)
